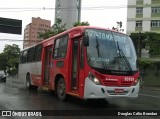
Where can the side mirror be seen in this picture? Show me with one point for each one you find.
(86, 40)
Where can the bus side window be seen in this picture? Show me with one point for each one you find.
(21, 54)
(38, 52)
(31, 54)
(56, 46)
(25, 56)
(60, 47)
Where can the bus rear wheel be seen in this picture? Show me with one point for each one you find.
(28, 83)
(61, 89)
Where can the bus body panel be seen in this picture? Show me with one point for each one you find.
(36, 73)
(81, 83)
(93, 91)
(109, 85)
(33, 69)
(58, 71)
(22, 71)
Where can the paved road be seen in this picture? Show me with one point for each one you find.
(16, 97)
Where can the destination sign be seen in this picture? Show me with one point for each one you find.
(106, 35)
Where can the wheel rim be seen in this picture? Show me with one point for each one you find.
(61, 88)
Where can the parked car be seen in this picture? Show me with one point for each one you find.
(2, 78)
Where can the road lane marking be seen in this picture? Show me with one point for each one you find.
(150, 96)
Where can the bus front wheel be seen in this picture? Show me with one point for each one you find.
(61, 89)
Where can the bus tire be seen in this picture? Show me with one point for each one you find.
(61, 89)
(28, 83)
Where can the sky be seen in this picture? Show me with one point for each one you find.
(101, 13)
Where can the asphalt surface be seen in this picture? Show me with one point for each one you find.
(14, 96)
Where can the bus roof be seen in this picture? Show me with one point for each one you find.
(81, 28)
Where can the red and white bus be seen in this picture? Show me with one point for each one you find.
(86, 62)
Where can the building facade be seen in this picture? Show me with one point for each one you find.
(143, 16)
(33, 29)
(69, 11)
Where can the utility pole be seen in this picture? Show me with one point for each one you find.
(79, 10)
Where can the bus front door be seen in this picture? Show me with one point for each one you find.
(75, 65)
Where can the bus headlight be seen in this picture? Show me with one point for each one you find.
(94, 79)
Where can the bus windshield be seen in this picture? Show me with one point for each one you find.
(110, 51)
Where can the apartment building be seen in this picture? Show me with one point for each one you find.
(33, 29)
(143, 16)
(69, 11)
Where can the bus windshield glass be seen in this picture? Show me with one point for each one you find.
(110, 51)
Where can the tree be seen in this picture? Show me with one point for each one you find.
(153, 41)
(137, 39)
(146, 40)
(81, 24)
(9, 58)
(3, 62)
(12, 50)
(57, 28)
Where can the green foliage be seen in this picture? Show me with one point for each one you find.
(135, 37)
(46, 35)
(12, 50)
(147, 39)
(9, 58)
(81, 24)
(3, 62)
(144, 64)
(57, 28)
(13, 71)
(153, 42)
(138, 40)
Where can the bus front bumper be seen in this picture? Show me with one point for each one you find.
(93, 91)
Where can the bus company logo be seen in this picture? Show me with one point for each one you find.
(110, 79)
(6, 113)
(128, 79)
(21, 113)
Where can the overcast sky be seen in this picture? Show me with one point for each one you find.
(102, 13)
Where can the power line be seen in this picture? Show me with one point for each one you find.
(45, 8)
(10, 40)
(61, 8)
(19, 40)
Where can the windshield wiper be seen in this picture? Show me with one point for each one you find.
(100, 53)
(97, 47)
(124, 57)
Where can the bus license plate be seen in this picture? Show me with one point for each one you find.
(118, 90)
